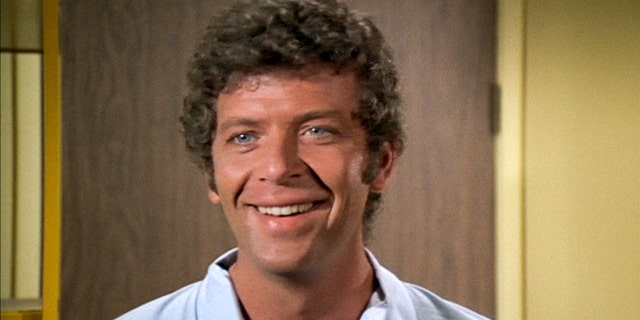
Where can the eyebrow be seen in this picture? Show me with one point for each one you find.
(247, 122)
(329, 114)
(237, 122)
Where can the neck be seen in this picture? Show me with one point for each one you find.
(338, 291)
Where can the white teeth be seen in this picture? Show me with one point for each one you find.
(285, 211)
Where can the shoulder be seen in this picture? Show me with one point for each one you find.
(180, 304)
(408, 301)
(211, 298)
(428, 305)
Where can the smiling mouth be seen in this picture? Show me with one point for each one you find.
(285, 210)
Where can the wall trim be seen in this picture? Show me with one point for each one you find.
(52, 162)
(509, 162)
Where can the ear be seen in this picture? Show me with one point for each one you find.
(214, 197)
(387, 165)
(212, 193)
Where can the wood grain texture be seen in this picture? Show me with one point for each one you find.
(436, 227)
(136, 221)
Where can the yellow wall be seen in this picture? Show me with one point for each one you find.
(568, 160)
(582, 159)
(21, 150)
(508, 162)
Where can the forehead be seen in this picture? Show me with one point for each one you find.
(315, 73)
(286, 89)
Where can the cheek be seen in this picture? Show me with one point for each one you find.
(229, 175)
(338, 170)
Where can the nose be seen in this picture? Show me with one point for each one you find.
(280, 162)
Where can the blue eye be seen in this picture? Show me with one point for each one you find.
(319, 132)
(244, 138)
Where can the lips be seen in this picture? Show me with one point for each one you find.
(283, 211)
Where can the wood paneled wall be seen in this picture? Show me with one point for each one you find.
(136, 221)
(437, 225)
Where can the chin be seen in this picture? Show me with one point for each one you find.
(287, 261)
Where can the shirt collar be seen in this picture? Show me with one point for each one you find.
(390, 299)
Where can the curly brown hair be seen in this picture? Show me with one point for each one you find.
(254, 37)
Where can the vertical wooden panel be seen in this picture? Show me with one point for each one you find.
(436, 228)
(136, 220)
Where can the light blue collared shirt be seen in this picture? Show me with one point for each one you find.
(214, 298)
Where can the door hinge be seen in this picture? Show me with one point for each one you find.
(495, 96)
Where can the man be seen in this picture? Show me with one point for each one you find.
(293, 115)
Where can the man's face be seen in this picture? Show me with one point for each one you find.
(289, 153)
